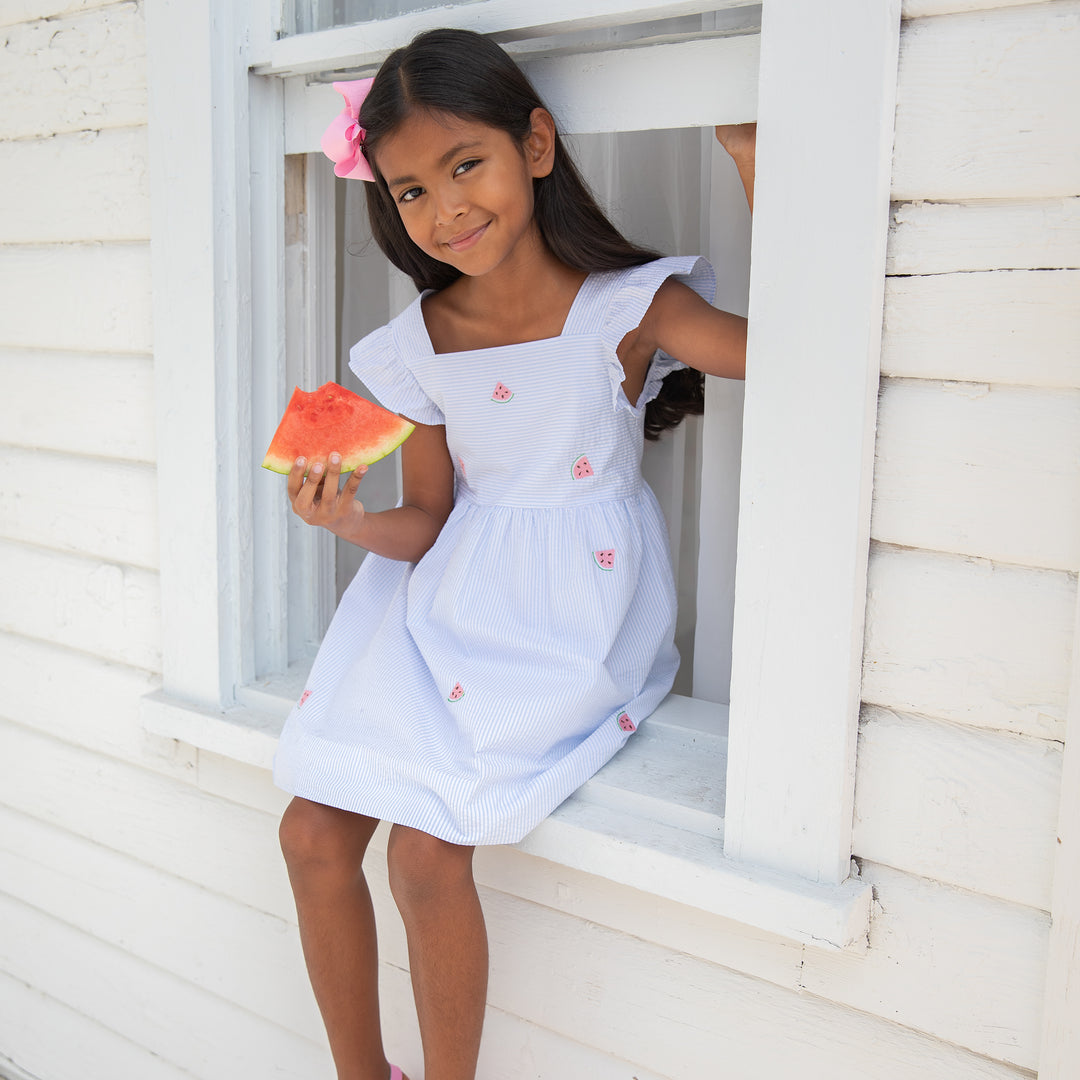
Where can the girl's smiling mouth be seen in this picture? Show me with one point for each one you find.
(464, 241)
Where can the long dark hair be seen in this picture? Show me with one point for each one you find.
(467, 75)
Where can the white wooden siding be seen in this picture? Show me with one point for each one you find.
(74, 697)
(102, 513)
(1060, 1051)
(79, 186)
(979, 469)
(32, 1023)
(986, 105)
(987, 234)
(970, 808)
(22, 11)
(77, 297)
(969, 640)
(1010, 326)
(79, 389)
(78, 72)
(105, 609)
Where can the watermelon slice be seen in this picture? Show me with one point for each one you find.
(331, 419)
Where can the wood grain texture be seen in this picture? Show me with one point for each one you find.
(80, 699)
(83, 72)
(111, 200)
(974, 469)
(976, 809)
(106, 609)
(78, 297)
(987, 234)
(107, 510)
(968, 640)
(1007, 326)
(80, 389)
(986, 104)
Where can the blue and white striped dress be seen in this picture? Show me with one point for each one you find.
(468, 694)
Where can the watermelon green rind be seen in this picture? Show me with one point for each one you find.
(333, 419)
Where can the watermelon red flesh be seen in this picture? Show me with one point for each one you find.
(334, 420)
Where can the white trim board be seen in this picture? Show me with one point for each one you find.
(690, 84)
(640, 822)
(817, 275)
(365, 45)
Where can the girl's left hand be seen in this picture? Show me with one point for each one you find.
(316, 497)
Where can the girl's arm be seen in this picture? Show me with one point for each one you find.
(405, 532)
(678, 320)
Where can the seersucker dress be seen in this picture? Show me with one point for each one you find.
(470, 693)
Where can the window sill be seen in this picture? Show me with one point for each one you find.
(652, 819)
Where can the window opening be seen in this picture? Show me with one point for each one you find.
(658, 188)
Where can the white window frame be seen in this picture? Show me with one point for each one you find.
(816, 296)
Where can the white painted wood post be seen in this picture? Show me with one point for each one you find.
(1059, 1058)
(198, 131)
(825, 114)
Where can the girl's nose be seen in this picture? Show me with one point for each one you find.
(449, 204)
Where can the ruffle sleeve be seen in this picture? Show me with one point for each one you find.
(379, 365)
(627, 306)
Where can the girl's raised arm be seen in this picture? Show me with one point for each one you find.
(682, 324)
(405, 532)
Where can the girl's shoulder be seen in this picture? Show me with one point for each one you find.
(624, 296)
(381, 362)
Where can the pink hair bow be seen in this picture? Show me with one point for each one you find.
(343, 140)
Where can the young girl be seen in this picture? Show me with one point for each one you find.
(513, 623)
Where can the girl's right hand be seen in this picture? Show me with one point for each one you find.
(739, 140)
(317, 500)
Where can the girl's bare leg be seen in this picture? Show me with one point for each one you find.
(324, 848)
(433, 886)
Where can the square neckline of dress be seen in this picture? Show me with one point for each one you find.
(567, 331)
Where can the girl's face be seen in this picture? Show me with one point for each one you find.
(464, 190)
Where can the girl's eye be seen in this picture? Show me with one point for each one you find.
(410, 194)
(465, 166)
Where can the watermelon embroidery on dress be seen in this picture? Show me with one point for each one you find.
(605, 559)
(581, 469)
(501, 392)
(457, 693)
(626, 723)
(303, 697)
(462, 464)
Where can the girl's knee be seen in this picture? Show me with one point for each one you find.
(423, 868)
(313, 835)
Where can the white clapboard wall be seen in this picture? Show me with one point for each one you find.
(147, 926)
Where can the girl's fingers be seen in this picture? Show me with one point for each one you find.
(308, 495)
(296, 478)
(354, 481)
